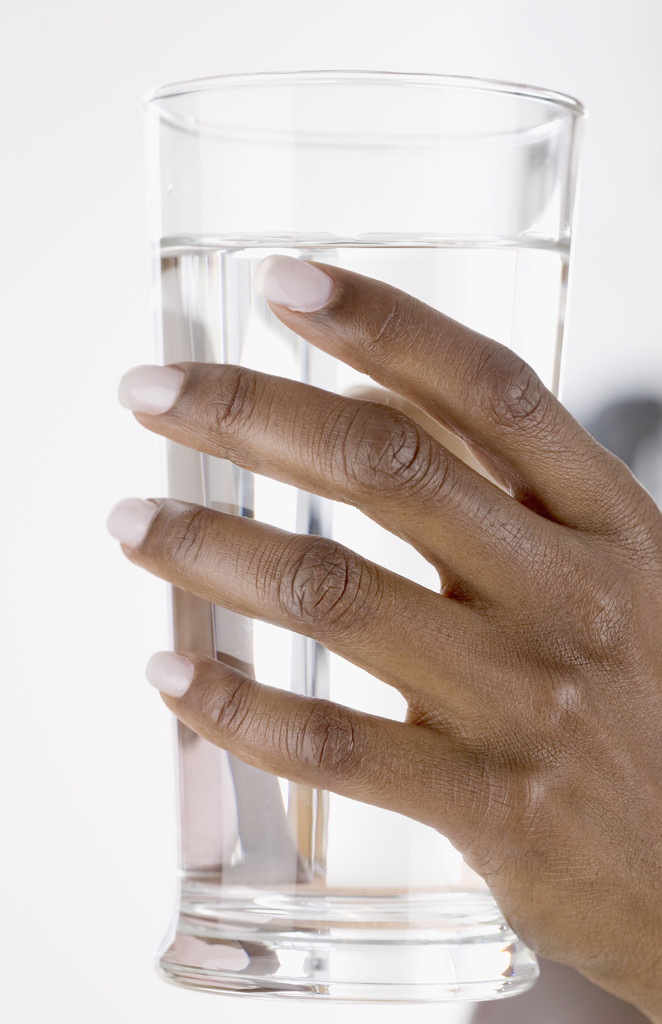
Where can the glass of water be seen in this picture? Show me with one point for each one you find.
(459, 192)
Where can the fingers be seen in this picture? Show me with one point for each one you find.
(480, 389)
(318, 743)
(314, 586)
(363, 453)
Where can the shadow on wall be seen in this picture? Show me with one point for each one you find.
(632, 429)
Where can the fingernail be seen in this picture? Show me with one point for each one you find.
(170, 673)
(129, 520)
(152, 389)
(293, 283)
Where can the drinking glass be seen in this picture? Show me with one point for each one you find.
(460, 192)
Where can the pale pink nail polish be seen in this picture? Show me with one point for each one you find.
(151, 389)
(130, 519)
(170, 673)
(293, 283)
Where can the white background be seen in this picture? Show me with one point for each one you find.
(87, 825)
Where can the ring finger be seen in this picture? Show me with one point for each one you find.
(312, 585)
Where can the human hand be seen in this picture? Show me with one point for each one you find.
(533, 680)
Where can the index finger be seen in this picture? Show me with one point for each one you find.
(478, 388)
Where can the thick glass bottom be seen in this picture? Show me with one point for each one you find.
(375, 948)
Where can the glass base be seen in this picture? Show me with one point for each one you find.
(387, 948)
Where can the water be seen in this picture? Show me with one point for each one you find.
(265, 857)
(511, 292)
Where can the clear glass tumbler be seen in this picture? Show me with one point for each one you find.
(461, 193)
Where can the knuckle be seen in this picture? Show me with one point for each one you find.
(560, 729)
(327, 585)
(514, 804)
(593, 609)
(386, 451)
(593, 606)
(510, 392)
(329, 741)
(608, 620)
(567, 719)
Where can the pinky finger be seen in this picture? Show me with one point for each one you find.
(316, 742)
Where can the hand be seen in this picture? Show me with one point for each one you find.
(533, 680)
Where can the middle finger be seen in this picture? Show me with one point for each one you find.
(362, 453)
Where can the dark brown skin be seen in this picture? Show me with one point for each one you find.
(533, 679)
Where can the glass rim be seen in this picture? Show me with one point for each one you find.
(431, 80)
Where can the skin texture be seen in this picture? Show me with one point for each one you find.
(533, 678)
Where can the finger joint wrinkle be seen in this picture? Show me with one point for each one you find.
(326, 585)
